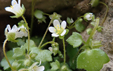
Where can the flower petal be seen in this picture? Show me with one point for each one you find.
(19, 1)
(9, 9)
(13, 2)
(52, 29)
(8, 27)
(41, 68)
(56, 23)
(63, 24)
(14, 28)
(54, 35)
(63, 33)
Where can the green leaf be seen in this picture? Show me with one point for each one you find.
(55, 65)
(44, 55)
(75, 39)
(32, 44)
(20, 42)
(78, 25)
(18, 52)
(4, 63)
(92, 60)
(72, 54)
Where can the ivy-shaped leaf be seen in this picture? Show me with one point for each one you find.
(72, 54)
(55, 65)
(78, 25)
(44, 55)
(32, 44)
(75, 39)
(18, 52)
(92, 60)
(4, 63)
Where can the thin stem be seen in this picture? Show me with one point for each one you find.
(45, 33)
(53, 38)
(6, 55)
(105, 13)
(32, 17)
(46, 44)
(64, 50)
(28, 33)
(93, 31)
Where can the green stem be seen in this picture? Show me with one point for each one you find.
(46, 44)
(53, 38)
(32, 17)
(93, 31)
(6, 55)
(28, 33)
(105, 13)
(64, 50)
(45, 33)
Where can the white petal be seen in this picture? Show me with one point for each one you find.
(41, 68)
(19, 1)
(56, 23)
(13, 2)
(8, 27)
(9, 9)
(63, 33)
(63, 24)
(14, 28)
(55, 35)
(52, 29)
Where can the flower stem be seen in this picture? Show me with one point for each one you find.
(32, 17)
(105, 13)
(46, 44)
(64, 50)
(45, 33)
(28, 33)
(93, 31)
(6, 55)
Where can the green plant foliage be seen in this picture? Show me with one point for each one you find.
(78, 25)
(20, 42)
(70, 20)
(44, 55)
(55, 65)
(18, 52)
(75, 39)
(92, 60)
(94, 3)
(4, 63)
(40, 16)
(72, 54)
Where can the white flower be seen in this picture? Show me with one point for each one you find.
(88, 16)
(34, 67)
(16, 9)
(15, 31)
(58, 30)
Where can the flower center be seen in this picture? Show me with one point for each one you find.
(59, 29)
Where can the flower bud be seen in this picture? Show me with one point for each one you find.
(15, 65)
(88, 16)
(64, 68)
(27, 62)
(55, 50)
(55, 16)
(94, 3)
(89, 30)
